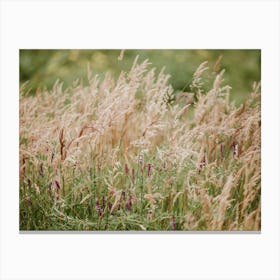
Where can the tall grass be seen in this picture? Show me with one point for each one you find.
(129, 154)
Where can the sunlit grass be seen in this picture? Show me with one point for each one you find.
(130, 154)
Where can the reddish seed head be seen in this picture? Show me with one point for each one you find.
(150, 214)
(123, 195)
(118, 206)
(202, 163)
(234, 148)
(128, 204)
(126, 169)
(103, 202)
(222, 149)
(52, 157)
(173, 223)
(133, 175)
(23, 164)
(57, 184)
(110, 205)
(149, 169)
(41, 172)
(97, 207)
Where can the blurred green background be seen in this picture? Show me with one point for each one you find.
(43, 67)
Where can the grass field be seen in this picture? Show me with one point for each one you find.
(130, 153)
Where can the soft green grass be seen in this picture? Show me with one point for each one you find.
(73, 206)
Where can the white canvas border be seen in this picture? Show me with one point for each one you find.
(135, 24)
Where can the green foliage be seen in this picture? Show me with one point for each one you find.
(43, 67)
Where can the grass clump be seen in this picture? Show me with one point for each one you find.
(130, 154)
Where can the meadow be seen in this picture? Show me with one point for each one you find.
(131, 153)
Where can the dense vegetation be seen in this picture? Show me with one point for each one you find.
(130, 153)
(42, 68)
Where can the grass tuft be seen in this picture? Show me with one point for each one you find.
(130, 154)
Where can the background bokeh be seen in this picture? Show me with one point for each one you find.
(43, 67)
